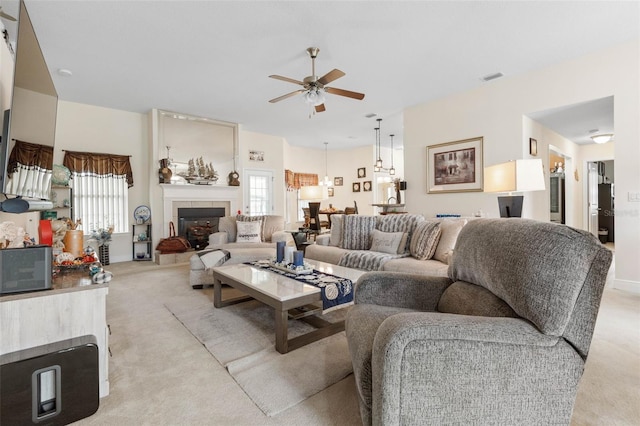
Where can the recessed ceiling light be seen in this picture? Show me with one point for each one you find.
(64, 72)
(492, 76)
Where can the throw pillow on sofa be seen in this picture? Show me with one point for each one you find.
(336, 230)
(356, 231)
(450, 230)
(388, 242)
(425, 240)
(247, 218)
(249, 232)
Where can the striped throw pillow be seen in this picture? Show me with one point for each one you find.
(425, 240)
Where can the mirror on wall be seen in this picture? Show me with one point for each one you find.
(32, 117)
(196, 150)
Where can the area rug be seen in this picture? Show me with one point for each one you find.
(242, 338)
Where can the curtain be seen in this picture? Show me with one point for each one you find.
(99, 164)
(29, 170)
(304, 179)
(100, 189)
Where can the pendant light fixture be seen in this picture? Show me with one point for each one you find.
(379, 161)
(326, 181)
(376, 168)
(392, 170)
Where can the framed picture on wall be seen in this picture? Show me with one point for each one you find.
(455, 166)
(355, 187)
(533, 147)
(330, 191)
(337, 181)
(362, 172)
(256, 155)
(366, 186)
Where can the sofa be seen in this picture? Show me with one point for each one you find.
(502, 340)
(245, 238)
(369, 243)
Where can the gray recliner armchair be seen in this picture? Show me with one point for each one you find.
(503, 340)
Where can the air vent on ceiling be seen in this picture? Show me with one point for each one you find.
(371, 115)
(492, 76)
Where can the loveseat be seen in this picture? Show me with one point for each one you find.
(245, 238)
(394, 243)
(503, 340)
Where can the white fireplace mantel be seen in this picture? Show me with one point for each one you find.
(172, 193)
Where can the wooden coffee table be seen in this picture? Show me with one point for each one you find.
(288, 297)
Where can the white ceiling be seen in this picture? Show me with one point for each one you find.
(213, 58)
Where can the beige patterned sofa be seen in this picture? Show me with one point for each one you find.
(368, 242)
(246, 238)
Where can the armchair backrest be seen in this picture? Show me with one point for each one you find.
(552, 275)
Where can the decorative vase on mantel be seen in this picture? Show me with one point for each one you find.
(103, 254)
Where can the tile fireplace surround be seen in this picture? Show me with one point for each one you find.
(180, 196)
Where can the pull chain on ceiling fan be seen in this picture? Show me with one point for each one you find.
(314, 88)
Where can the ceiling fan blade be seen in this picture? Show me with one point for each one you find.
(320, 108)
(342, 92)
(287, 79)
(288, 95)
(330, 76)
(7, 17)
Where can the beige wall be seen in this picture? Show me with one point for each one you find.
(496, 110)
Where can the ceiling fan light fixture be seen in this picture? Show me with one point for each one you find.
(314, 97)
(602, 138)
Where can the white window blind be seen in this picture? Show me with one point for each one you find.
(101, 201)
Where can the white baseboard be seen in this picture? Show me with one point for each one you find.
(630, 286)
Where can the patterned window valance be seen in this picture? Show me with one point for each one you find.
(296, 180)
(99, 164)
(30, 154)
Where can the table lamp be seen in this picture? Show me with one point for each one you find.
(510, 177)
(314, 194)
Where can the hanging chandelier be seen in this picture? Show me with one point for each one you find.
(392, 170)
(326, 181)
(378, 165)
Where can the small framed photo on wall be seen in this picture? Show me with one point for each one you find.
(355, 187)
(366, 185)
(330, 191)
(362, 172)
(533, 147)
(337, 181)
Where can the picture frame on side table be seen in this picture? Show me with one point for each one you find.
(455, 166)
(533, 147)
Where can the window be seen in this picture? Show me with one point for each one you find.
(100, 189)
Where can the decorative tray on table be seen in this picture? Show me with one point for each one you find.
(289, 268)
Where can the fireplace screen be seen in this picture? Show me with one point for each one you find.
(197, 223)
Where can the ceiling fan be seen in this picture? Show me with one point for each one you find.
(314, 87)
(6, 16)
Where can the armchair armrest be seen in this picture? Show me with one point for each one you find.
(218, 238)
(401, 290)
(283, 236)
(486, 362)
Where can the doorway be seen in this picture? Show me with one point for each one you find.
(258, 192)
(601, 190)
(558, 163)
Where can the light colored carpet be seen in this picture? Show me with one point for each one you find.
(241, 337)
(161, 375)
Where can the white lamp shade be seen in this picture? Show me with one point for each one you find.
(311, 193)
(514, 176)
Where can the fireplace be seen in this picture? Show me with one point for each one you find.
(196, 223)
